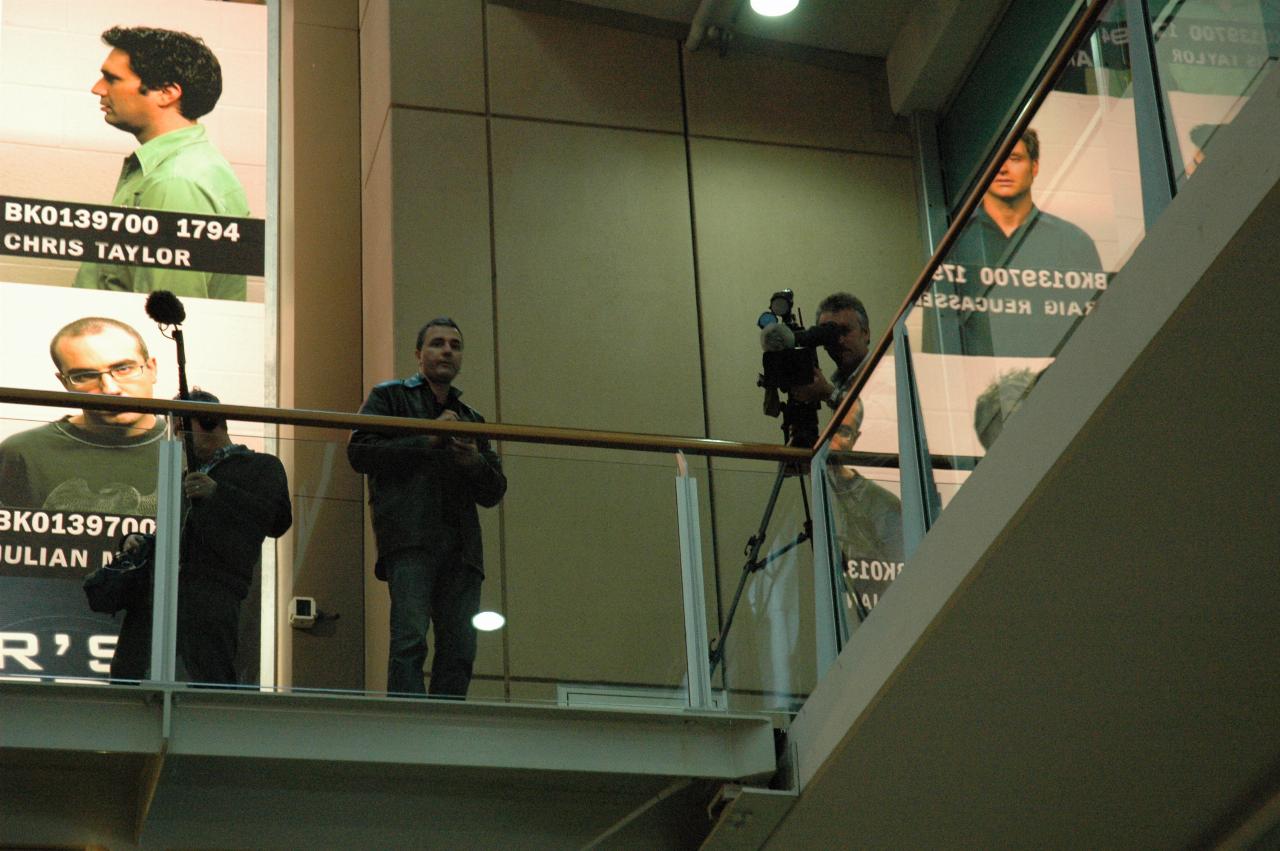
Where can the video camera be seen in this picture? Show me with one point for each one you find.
(790, 357)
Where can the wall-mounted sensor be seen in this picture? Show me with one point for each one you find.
(302, 612)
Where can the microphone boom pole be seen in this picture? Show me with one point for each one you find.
(165, 310)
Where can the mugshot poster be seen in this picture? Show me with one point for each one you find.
(111, 184)
(97, 209)
(1015, 288)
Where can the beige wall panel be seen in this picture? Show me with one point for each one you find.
(320, 469)
(489, 645)
(379, 359)
(377, 293)
(327, 563)
(484, 689)
(760, 98)
(437, 54)
(327, 13)
(596, 310)
(441, 241)
(375, 81)
(770, 647)
(377, 616)
(593, 572)
(815, 221)
(545, 67)
(527, 692)
(326, 212)
(320, 308)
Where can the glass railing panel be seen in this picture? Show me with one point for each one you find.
(581, 558)
(763, 558)
(586, 568)
(72, 485)
(320, 573)
(272, 527)
(1209, 55)
(865, 493)
(1034, 260)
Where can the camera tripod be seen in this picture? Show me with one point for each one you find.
(754, 563)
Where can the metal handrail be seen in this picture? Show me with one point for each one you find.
(1066, 50)
(347, 422)
(610, 439)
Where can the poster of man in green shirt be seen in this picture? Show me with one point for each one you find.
(156, 84)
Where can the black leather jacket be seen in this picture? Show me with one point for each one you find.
(416, 490)
(222, 538)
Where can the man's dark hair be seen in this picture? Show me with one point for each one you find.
(208, 421)
(1032, 138)
(837, 302)
(165, 57)
(438, 322)
(93, 325)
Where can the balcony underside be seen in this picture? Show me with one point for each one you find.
(88, 765)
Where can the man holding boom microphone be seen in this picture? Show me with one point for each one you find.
(235, 499)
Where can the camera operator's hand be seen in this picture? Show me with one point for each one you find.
(819, 391)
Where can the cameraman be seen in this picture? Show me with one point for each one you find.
(847, 311)
(868, 518)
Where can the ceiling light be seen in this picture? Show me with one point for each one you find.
(773, 8)
(488, 621)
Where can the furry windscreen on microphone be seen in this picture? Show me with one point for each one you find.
(164, 308)
(777, 337)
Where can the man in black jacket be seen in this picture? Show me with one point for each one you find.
(423, 493)
(236, 498)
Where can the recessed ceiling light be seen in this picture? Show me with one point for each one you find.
(773, 8)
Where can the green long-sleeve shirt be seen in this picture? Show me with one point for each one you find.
(179, 171)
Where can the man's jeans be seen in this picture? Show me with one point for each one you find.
(431, 587)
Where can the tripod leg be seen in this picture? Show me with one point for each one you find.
(755, 563)
(751, 565)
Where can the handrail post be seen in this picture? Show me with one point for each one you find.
(1155, 155)
(831, 623)
(921, 503)
(164, 603)
(695, 605)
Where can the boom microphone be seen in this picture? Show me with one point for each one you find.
(166, 311)
(164, 308)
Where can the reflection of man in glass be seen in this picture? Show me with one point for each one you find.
(156, 84)
(96, 460)
(998, 402)
(868, 520)
(1018, 278)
